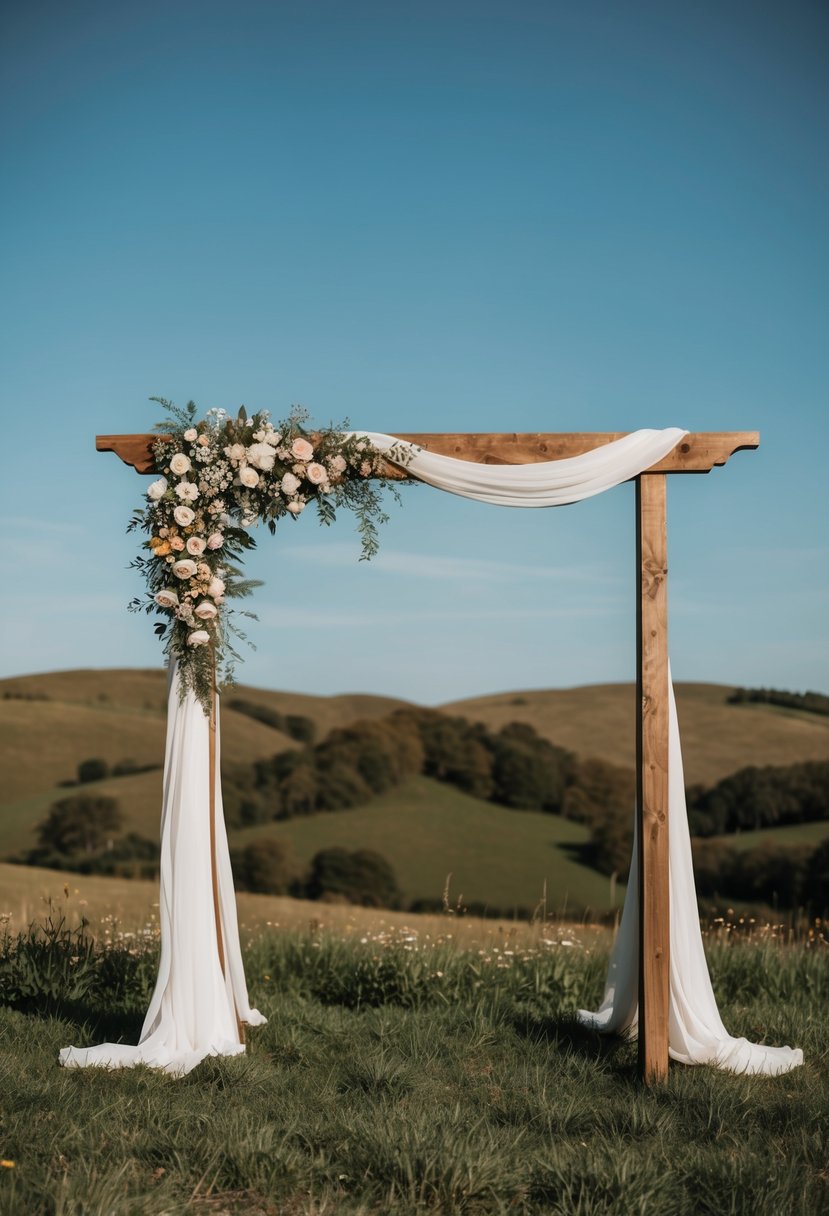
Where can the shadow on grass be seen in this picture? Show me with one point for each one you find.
(570, 1037)
(91, 1022)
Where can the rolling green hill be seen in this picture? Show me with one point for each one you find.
(428, 830)
(50, 722)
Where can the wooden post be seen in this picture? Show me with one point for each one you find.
(214, 874)
(652, 775)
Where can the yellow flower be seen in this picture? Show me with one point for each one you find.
(6, 1165)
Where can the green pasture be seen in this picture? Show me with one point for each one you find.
(428, 831)
(794, 834)
(399, 1075)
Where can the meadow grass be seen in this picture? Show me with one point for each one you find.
(402, 1073)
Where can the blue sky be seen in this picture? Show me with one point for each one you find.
(489, 216)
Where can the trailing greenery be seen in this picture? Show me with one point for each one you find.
(219, 476)
(810, 702)
(404, 1076)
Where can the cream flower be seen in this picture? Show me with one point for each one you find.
(236, 453)
(206, 611)
(187, 491)
(216, 589)
(184, 568)
(302, 449)
(203, 440)
(184, 516)
(215, 540)
(248, 477)
(337, 464)
(196, 545)
(176, 543)
(296, 507)
(157, 489)
(316, 474)
(290, 484)
(199, 637)
(180, 464)
(272, 437)
(261, 456)
(191, 434)
(166, 598)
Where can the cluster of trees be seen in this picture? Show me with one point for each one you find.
(514, 767)
(295, 726)
(782, 877)
(811, 702)
(95, 769)
(359, 876)
(754, 798)
(83, 833)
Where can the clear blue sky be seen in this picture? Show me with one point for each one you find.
(455, 216)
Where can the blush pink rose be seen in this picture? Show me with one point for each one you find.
(302, 449)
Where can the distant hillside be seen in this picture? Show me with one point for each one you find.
(50, 722)
(717, 737)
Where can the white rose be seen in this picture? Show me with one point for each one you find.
(215, 540)
(196, 545)
(248, 477)
(167, 598)
(296, 508)
(187, 491)
(261, 456)
(206, 611)
(236, 452)
(184, 568)
(273, 438)
(216, 588)
(180, 464)
(316, 474)
(184, 516)
(157, 489)
(191, 436)
(290, 484)
(199, 637)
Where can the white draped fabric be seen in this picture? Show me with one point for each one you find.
(194, 1008)
(696, 1034)
(550, 483)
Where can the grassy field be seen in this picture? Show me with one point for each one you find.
(400, 1075)
(793, 834)
(428, 830)
(117, 905)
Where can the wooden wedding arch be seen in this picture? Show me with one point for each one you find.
(697, 452)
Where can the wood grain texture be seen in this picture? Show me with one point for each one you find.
(652, 776)
(696, 453)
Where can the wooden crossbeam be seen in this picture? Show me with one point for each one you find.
(697, 452)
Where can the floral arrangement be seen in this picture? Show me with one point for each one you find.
(219, 476)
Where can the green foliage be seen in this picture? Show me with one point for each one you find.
(265, 866)
(770, 875)
(81, 824)
(92, 770)
(295, 726)
(762, 797)
(361, 877)
(809, 702)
